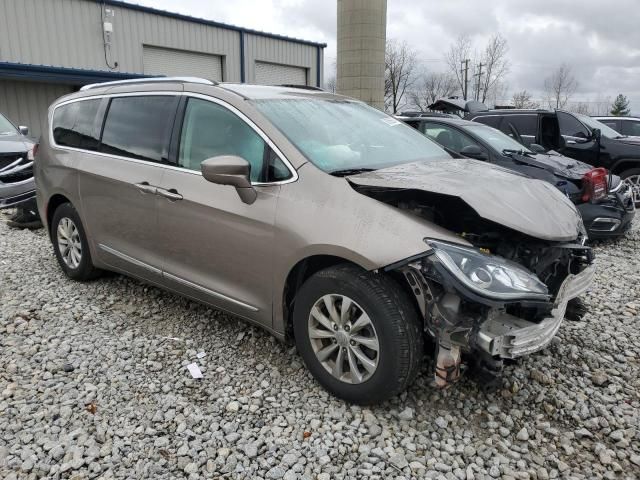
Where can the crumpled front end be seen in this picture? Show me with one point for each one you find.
(517, 316)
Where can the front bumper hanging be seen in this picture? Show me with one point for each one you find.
(507, 336)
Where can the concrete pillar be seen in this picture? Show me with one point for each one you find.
(362, 34)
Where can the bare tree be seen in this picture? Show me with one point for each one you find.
(495, 66)
(560, 86)
(523, 99)
(400, 63)
(458, 53)
(430, 87)
(330, 86)
(581, 107)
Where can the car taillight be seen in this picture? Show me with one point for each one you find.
(31, 154)
(594, 185)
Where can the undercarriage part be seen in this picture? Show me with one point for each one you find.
(447, 370)
(486, 371)
(576, 310)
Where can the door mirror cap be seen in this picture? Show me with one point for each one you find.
(23, 130)
(596, 133)
(537, 148)
(230, 170)
(474, 151)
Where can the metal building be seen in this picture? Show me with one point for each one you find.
(51, 47)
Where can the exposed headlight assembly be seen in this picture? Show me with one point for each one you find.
(489, 275)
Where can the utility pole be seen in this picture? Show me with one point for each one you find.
(479, 75)
(465, 72)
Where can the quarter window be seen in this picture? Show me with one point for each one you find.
(210, 130)
(74, 125)
(139, 127)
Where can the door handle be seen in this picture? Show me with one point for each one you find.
(144, 187)
(571, 142)
(170, 194)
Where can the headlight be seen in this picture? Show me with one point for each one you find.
(489, 275)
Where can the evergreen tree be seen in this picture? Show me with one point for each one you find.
(620, 107)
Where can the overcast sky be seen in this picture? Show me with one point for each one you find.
(600, 40)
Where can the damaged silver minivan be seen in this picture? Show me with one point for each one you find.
(321, 219)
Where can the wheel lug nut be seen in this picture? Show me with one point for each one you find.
(353, 343)
(335, 326)
(347, 328)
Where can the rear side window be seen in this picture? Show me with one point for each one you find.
(613, 124)
(490, 120)
(524, 124)
(630, 128)
(139, 127)
(73, 124)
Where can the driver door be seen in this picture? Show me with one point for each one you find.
(579, 143)
(216, 248)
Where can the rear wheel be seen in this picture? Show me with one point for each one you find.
(632, 178)
(70, 244)
(358, 333)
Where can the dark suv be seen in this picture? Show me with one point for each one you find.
(572, 134)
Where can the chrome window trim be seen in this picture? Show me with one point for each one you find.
(243, 117)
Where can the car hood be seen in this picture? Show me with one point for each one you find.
(533, 207)
(556, 163)
(629, 140)
(13, 144)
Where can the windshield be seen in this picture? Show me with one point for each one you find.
(340, 135)
(593, 123)
(497, 139)
(6, 126)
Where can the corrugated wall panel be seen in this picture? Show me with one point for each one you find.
(26, 103)
(69, 34)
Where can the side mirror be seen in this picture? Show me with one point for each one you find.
(596, 134)
(23, 130)
(474, 151)
(536, 148)
(230, 170)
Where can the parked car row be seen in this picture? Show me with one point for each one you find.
(325, 221)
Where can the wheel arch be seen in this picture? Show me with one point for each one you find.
(625, 164)
(52, 205)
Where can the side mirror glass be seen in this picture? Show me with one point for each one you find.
(230, 170)
(536, 148)
(474, 151)
(23, 130)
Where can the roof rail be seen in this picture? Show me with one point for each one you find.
(149, 80)
(303, 87)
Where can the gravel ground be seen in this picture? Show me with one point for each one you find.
(93, 384)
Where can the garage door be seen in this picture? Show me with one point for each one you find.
(275, 74)
(181, 63)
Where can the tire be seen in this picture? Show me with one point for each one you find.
(633, 176)
(66, 223)
(394, 324)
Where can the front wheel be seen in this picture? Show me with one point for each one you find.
(632, 178)
(358, 333)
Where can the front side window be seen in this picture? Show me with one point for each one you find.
(449, 137)
(210, 130)
(589, 122)
(338, 135)
(498, 140)
(570, 126)
(139, 127)
(74, 124)
(6, 127)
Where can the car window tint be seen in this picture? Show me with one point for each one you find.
(73, 124)
(139, 127)
(571, 126)
(210, 130)
(490, 120)
(447, 136)
(630, 128)
(524, 124)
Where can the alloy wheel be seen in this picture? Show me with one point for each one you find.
(634, 182)
(69, 243)
(343, 338)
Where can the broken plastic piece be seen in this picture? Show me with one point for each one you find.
(200, 355)
(194, 370)
(447, 366)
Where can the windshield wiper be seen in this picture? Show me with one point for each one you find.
(350, 171)
(510, 151)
